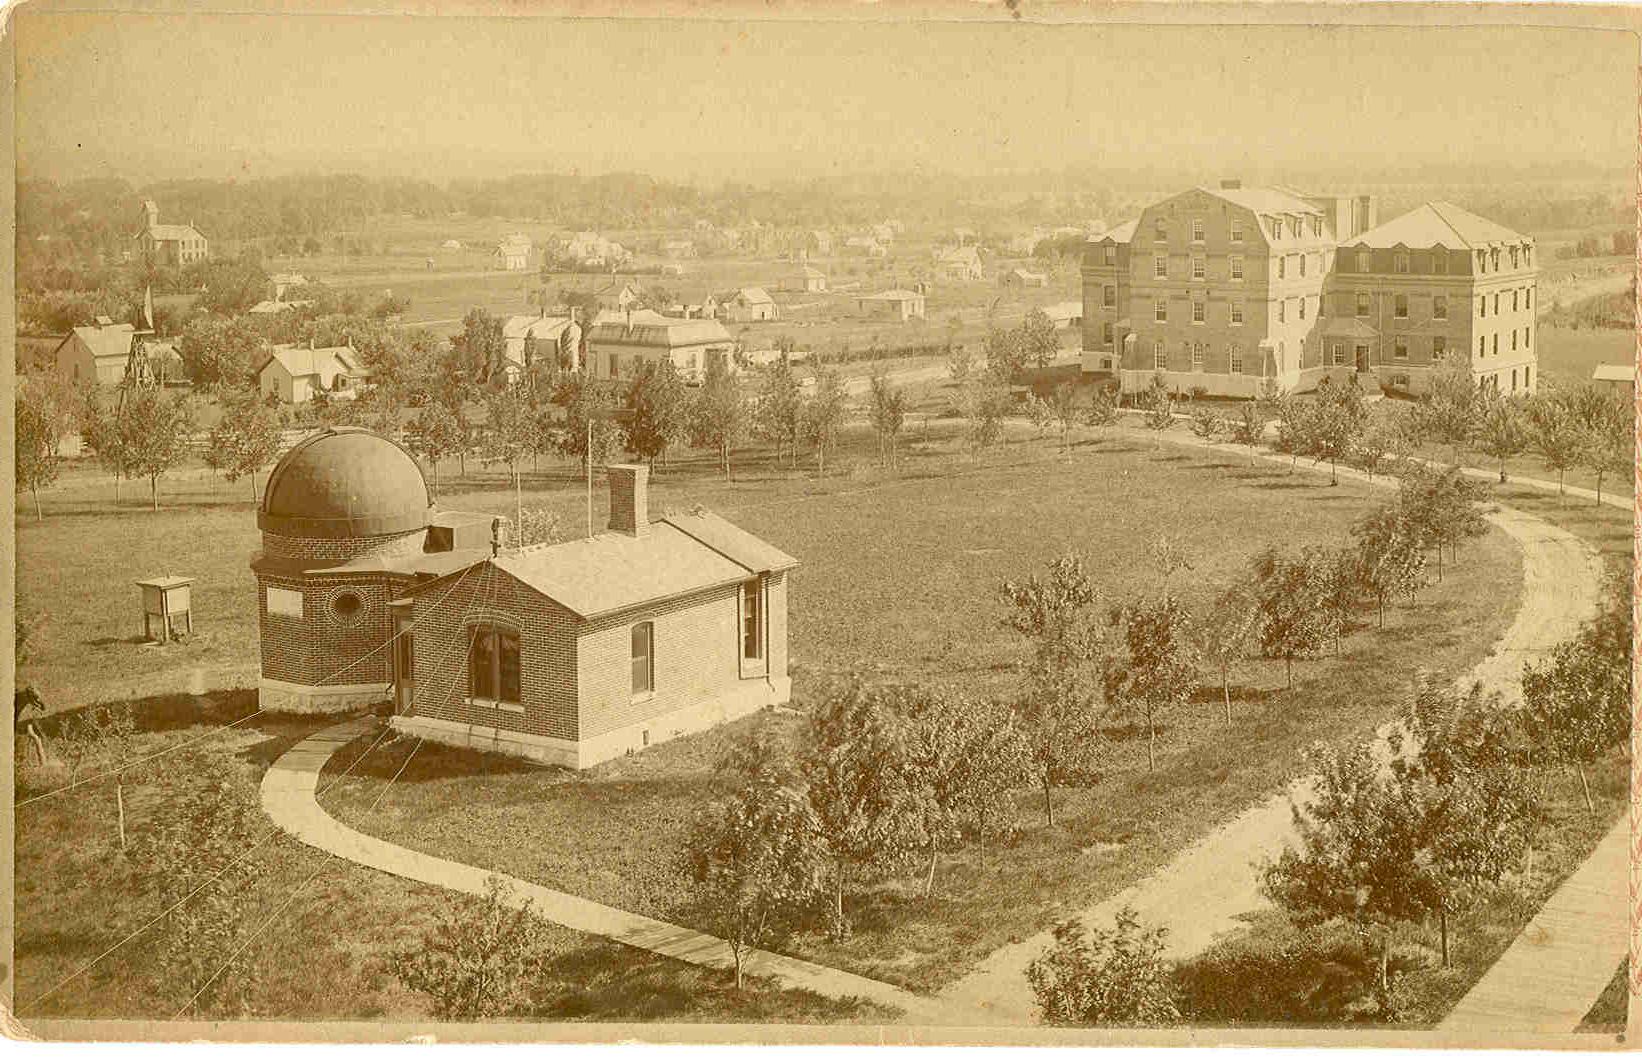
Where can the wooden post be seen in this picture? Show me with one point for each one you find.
(119, 800)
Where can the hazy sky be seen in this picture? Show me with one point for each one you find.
(148, 96)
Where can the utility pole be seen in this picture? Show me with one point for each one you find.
(588, 454)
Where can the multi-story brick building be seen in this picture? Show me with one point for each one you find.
(1435, 287)
(1228, 289)
(569, 653)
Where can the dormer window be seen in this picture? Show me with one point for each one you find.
(1439, 262)
(1400, 262)
(1362, 261)
(1161, 228)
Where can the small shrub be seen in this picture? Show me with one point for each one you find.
(1105, 977)
(479, 961)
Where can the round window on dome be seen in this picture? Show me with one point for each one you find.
(347, 607)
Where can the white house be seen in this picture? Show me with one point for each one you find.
(809, 280)
(747, 305)
(959, 263)
(296, 374)
(528, 340)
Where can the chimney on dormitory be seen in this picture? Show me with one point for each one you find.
(630, 499)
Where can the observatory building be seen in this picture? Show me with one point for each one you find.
(568, 653)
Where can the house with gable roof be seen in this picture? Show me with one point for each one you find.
(169, 244)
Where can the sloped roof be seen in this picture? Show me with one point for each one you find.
(1438, 223)
(1614, 373)
(660, 331)
(1264, 199)
(113, 340)
(756, 296)
(733, 542)
(167, 233)
(302, 362)
(1123, 233)
(540, 326)
(614, 571)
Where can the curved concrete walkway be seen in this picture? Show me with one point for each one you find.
(288, 797)
(1204, 893)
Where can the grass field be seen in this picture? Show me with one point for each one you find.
(321, 956)
(1567, 357)
(899, 582)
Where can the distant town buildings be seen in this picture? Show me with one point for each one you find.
(809, 280)
(1022, 278)
(959, 264)
(513, 253)
(900, 305)
(1228, 288)
(747, 305)
(1618, 377)
(95, 353)
(531, 340)
(169, 244)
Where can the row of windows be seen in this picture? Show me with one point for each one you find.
(1403, 262)
(1522, 298)
(493, 653)
(1304, 263)
(1526, 339)
(1160, 310)
(1197, 352)
(1276, 226)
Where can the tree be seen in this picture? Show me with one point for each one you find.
(1248, 428)
(1459, 763)
(964, 758)
(984, 402)
(778, 415)
(538, 525)
(100, 431)
(509, 433)
(1390, 559)
(439, 431)
(1609, 445)
(1336, 421)
(1158, 404)
(1556, 437)
(1224, 633)
(1359, 857)
(220, 351)
(1205, 424)
(823, 416)
(1057, 710)
(1293, 618)
(154, 432)
(1102, 411)
(246, 439)
(479, 351)
(1377, 442)
(1006, 356)
(1105, 977)
(853, 767)
(719, 419)
(1502, 430)
(36, 463)
(1452, 408)
(1063, 407)
(959, 364)
(1038, 342)
(757, 862)
(589, 416)
(659, 404)
(1296, 423)
(888, 414)
(1579, 702)
(1153, 669)
(481, 958)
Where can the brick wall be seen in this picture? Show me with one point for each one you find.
(697, 652)
(547, 653)
(324, 647)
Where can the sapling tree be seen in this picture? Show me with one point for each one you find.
(659, 405)
(1063, 407)
(1579, 701)
(719, 416)
(758, 862)
(1159, 405)
(1502, 430)
(964, 759)
(1248, 429)
(1205, 424)
(1451, 409)
(1225, 631)
(1294, 621)
(1556, 437)
(1390, 558)
(36, 463)
(246, 439)
(1057, 708)
(853, 767)
(778, 414)
(824, 414)
(887, 410)
(438, 431)
(1102, 411)
(154, 434)
(1151, 669)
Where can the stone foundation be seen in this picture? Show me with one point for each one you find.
(585, 753)
(278, 696)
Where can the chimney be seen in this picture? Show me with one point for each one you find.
(1230, 185)
(629, 499)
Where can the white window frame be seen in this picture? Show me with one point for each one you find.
(1234, 359)
(1200, 267)
(1160, 266)
(1198, 230)
(1337, 353)
(1160, 355)
(1236, 230)
(1236, 266)
(1365, 261)
(1160, 310)
(1200, 311)
(1237, 314)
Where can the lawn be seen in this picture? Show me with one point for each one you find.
(323, 956)
(899, 582)
(1568, 356)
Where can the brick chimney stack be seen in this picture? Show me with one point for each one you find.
(630, 499)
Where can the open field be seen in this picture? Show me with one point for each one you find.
(907, 594)
(324, 955)
(1568, 357)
